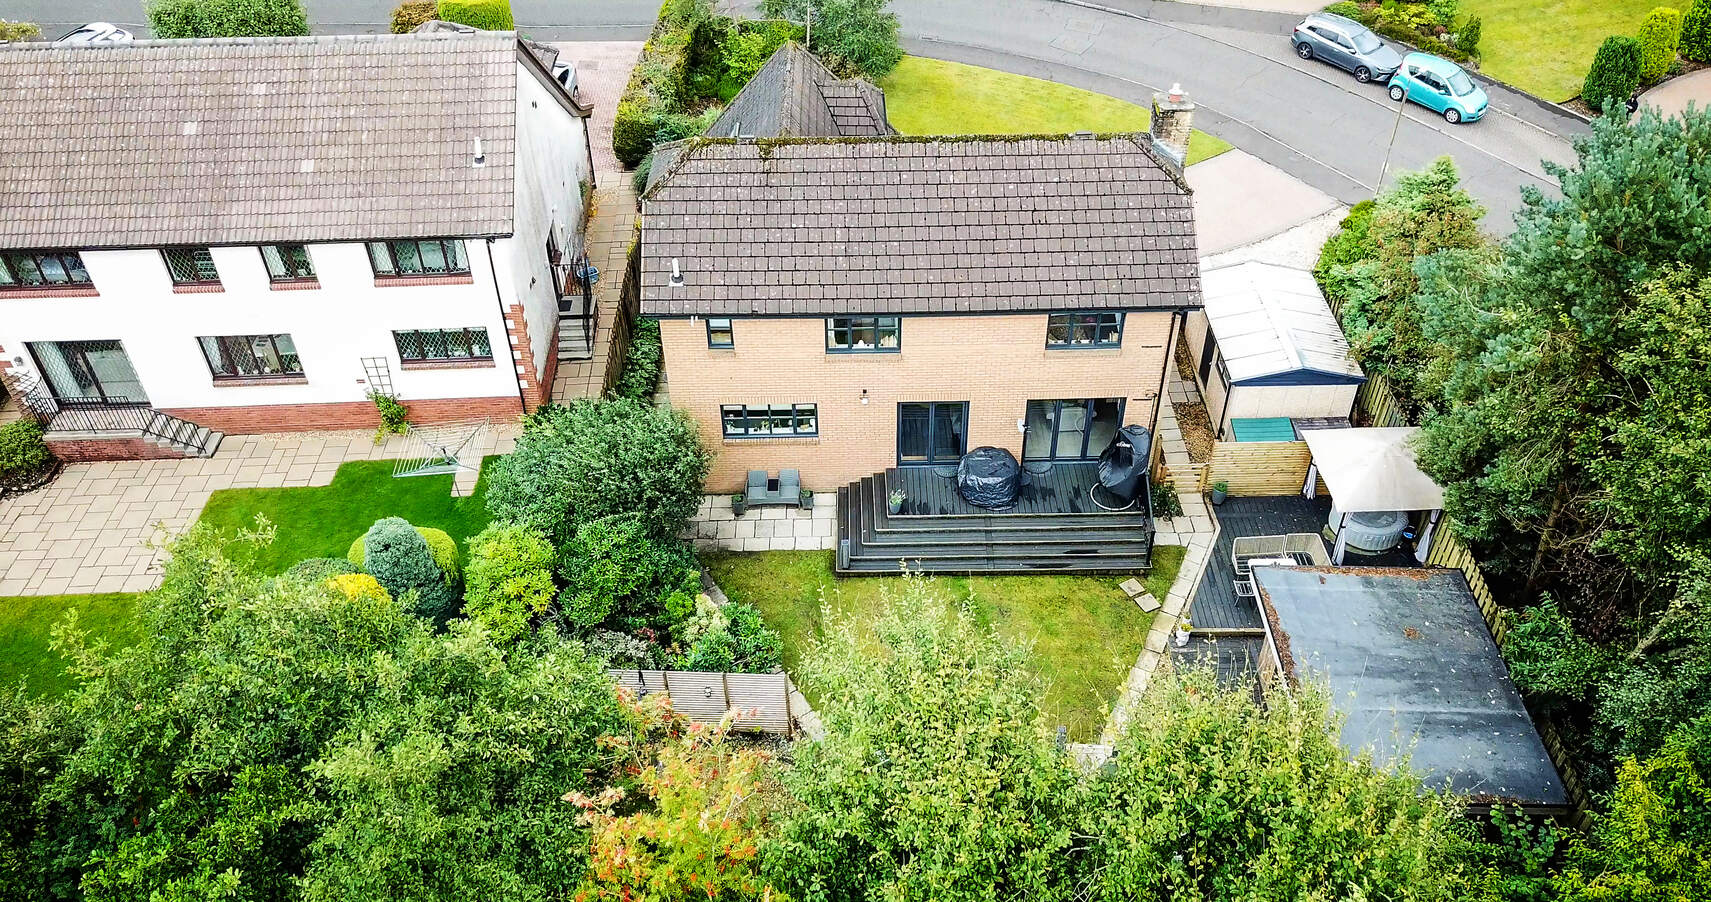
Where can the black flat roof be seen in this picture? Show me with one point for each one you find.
(1413, 668)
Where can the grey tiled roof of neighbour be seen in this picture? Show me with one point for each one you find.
(794, 94)
(918, 225)
(244, 140)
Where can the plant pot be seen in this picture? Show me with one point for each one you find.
(894, 507)
(739, 506)
(1181, 638)
(807, 501)
(1218, 496)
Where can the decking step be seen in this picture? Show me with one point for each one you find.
(982, 564)
(874, 494)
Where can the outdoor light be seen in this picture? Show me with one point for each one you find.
(864, 396)
(1022, 425)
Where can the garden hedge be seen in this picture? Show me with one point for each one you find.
(411, 14)
(1615, 73)
(1660, 34)
(486, 15)
(226, 18)
(1695, 43)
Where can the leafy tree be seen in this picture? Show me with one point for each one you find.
(1615, 74)
(855, 36)
(1654, 843)
(1660, 35)
(937, 777)
(1213, 797)
(226, 18)
(398, 556)
(486, 15)
(1696, 31)
(19, 31)
(614, 571)
(596, 458)
(700, 836)
(270, 739)
(509, 581)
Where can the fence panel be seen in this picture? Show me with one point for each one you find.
(1378, 403)
(705, 697)
(1258, 468)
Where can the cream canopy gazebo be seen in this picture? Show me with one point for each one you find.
(1373, 469)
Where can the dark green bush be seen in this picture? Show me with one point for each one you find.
(1166, 503)
(1467, 40)
(486, 15)
(226, 18)
(615, 572)
(1660, 34)
(23, 454)
(855, 37)
(1346, 9)
(1615, 73)
(730, 639)
(1695, 41)
(396, 555)
(412, 13)
(642, 362)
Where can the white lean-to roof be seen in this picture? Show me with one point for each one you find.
(1373, 469)
(1270, 322)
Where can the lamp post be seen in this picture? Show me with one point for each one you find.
(1394, 128)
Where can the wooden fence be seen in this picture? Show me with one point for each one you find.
(1249, 468)
(1378, 405)
(706, 697)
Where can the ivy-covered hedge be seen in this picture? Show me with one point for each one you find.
(226, 18)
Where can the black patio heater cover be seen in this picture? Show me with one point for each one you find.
(1123, 466)
(989, 477)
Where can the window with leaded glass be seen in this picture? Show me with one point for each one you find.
(443, 344)
(41, 269)
(251, 356)
(418, 257)
(863, 334)
(191, 266)
(1084, 330)
(769, 420)
(287, 262)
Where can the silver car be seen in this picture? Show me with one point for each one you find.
(1345, 43)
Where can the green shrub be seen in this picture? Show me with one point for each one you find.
(854, 36)
(440, 545)
(1660, 35)
(394, 416)
(729, 639)
(596, 458)
(1345, 8)
(1615, 73)
(642, 362)
(19, 31)
(226, 18)
(486, 15)
(412, 13)
(509, 579)
(615, 572)
(1695, 43)
(398, 555)
(1167, 505)
(23, 454)
(320, 569)
(1443, 12)
(1467, 40)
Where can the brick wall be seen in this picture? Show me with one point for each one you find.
(342, 415)
(996, 363)
(73, 450)
(535, 378)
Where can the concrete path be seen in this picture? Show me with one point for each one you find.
(1672, 97)
(1240, 199)
(89, 531)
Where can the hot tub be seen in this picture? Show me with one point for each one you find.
(1370, 530)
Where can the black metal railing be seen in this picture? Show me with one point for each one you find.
(574, 277)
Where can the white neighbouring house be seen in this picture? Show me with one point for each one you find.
(250, 235)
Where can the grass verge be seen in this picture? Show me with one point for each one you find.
(934, 97)
(1085, 632)
(26, 628)
(321, 521)
(1545, 46)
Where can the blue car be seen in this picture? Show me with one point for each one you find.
(1439, 85)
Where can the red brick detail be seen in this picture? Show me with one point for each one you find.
(134, 448)
(85, 291)
(342, 415)
(199, 288)
(405, 281)
(473, 363)
(536, 378)
(294, 284)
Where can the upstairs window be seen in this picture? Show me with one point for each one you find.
(191, 266)
(864, 334)
(443, 344)
(420, 257)
(720, 334)
(287, 262)
(251, 356)
(770, 420)
(41, 269)
(1084, 330)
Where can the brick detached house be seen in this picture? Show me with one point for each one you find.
(250, 235)
(867, 309)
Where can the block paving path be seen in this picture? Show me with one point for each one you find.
(92, 528)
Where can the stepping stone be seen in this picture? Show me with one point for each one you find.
(1132, 587)
(1147, 602)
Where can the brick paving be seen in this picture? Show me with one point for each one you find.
(609, 235)
(766, 528)
(91, 529)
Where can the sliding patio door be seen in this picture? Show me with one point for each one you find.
(1071, 429)
(931, 433)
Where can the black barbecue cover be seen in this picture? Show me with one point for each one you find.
(989, 477)
(1123, 466)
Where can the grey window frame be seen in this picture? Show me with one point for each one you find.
(468, 332)
(852, 323)
(64, 259)
(729, 329)
(197, 278)
(389, 248)
(1099, 324)
(279, 252)
(768, 413)
(249, 340)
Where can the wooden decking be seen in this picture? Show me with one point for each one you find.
(1062, 490)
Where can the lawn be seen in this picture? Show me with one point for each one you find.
(26, 627)
(321, 521)
(933, 97)
(1086, 632)
(1546, 46)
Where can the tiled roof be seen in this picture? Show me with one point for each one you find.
(918, 225)
(257, 139)
(794, 94)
